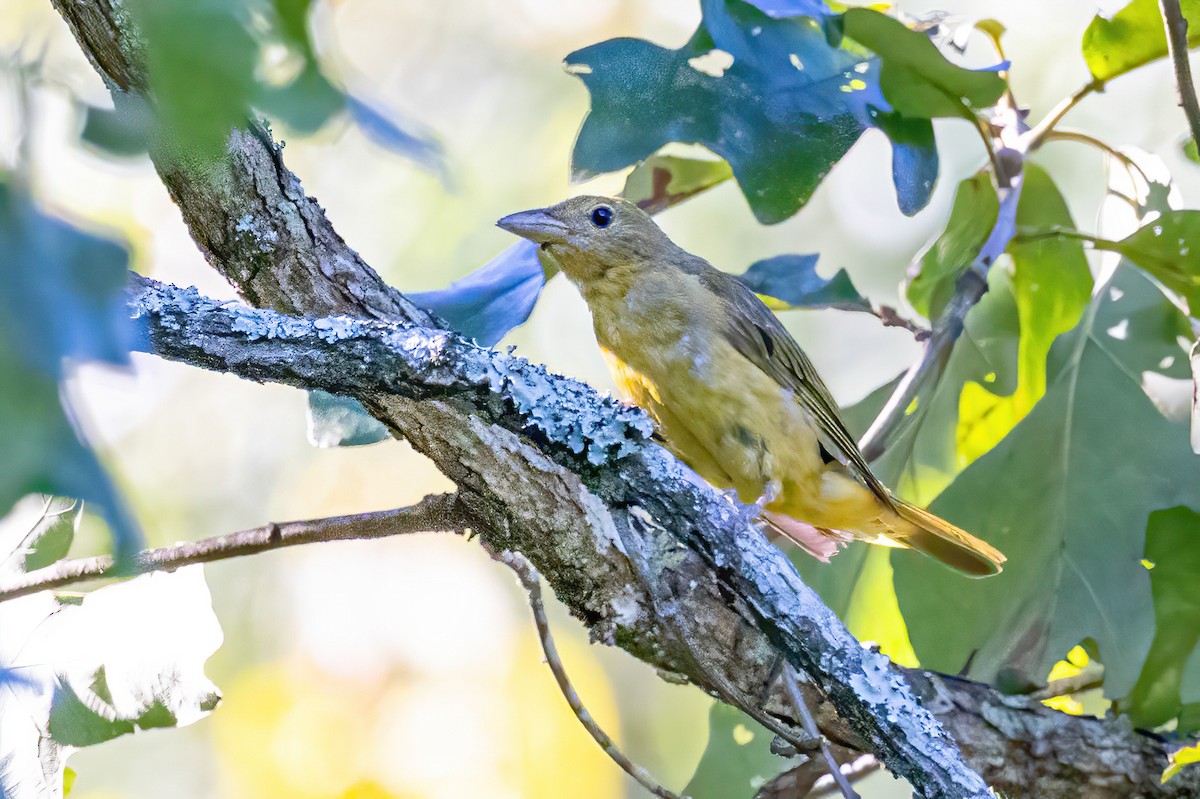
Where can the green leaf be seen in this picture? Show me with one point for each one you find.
(1168, 248)
(793, 279)
(1133, 37)
(915, 77)
(1067, 496)
(122, 132)
(126, 657)
(63, 298)
(200, 59)
(737, 760)
(976, 207)
(50, 537)
(1173, 547)
(786, 109)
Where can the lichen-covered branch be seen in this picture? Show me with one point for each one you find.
(618, 566)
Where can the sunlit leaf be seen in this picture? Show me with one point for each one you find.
(786, 109)
(794, 280)
(125, 657)
(914, 76)
(1133, 37)
(1066, 496)
(737, 760)
(1052, 285)
(1180, 758)
(1173, 545)
(62, 299)
(665, 180)
(976, 207)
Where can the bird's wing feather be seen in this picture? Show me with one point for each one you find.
(759, 336)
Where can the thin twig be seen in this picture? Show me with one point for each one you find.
(1036, 135)
(1083, 681)
(809, 724)
(1177, 46)
(1083, 138)
(435, 513)
(971, 287)
(531, 581)
(890, 317)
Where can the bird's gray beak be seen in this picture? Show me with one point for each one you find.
(537, 226)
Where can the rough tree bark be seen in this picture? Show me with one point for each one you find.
(647, 558)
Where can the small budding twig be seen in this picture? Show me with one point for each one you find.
(809, 725)
(531, 582)
(435, 513)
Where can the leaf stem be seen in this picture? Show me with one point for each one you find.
(1176, 25)
(1037, 134)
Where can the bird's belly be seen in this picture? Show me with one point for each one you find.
(726, 418)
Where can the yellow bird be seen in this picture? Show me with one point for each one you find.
(732, 393)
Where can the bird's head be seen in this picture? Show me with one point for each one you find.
(588, 237)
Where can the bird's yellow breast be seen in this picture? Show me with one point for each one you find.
(720, 413)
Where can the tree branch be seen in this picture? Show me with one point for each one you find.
(435, 513)
(1177, 46)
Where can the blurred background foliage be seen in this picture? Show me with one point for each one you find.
(408, 667)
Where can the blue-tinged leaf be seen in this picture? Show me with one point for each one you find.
(786, 110)
(493, 299)
(914, 159)
(398, 137)
(777, 9)
(63, 298)
(335, 421)
(794, 280)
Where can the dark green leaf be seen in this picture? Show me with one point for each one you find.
(1173, 547)
(914, 76)
(737, 760)
(1066, 495)
(1168, 248)
(63, 298)
(782, 114)
(976, 207)
(52, 534)
(335, 421)
(1133, 37)
(794, 280)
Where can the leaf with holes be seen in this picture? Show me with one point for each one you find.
(786, 109)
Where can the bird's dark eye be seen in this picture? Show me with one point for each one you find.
(602, 216)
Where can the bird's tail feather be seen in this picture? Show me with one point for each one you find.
(943, 541)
